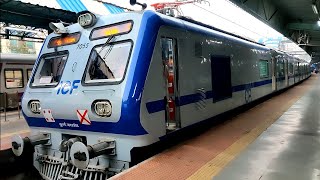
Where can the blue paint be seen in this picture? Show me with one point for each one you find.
(113, 9)
(74, 85)
(64, 88)
(73, 5)
(96, 126)
(156, 106)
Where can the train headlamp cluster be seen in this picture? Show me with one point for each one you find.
(111, 30)
(35, 107)
(103, 108)
(87, 20)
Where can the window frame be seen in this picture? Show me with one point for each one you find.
(83, 79)
(13, 69)
(28, 77)
(268, 69)
(65, 52)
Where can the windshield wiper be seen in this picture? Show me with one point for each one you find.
(109, 40)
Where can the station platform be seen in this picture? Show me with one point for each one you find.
(12, 125)
(277, 139)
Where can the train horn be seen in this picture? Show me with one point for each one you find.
(19, 144)
(81, 154)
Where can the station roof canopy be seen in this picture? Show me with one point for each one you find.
(295, 19)
(20, 13)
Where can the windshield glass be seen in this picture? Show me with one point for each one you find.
(49, 70)
(108, 63)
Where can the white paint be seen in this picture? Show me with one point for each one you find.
(95, 7)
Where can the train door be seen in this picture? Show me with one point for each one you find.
(286, 72)
(298, 73)
(1, 85)
(170, 73)
(274, 73)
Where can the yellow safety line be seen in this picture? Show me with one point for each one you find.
(14, 133)
(213, 167)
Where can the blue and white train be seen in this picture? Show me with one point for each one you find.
(108, 84)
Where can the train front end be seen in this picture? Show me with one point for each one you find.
(82, 103)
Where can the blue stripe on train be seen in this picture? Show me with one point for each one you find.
(156, 106)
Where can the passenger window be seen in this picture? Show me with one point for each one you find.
(290, 69)
(280, 70)
(49, 70)
(108, 64)
(264, 68)
(221, 78)
(13, 78)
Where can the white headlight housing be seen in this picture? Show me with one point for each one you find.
(35, 107)
(87, 20)
(103, 108)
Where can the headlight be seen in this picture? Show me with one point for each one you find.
(87, 20)
(103, 108)
(35, 106)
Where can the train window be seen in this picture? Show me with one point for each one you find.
(264, 68)
(29, 71)
(290, 69)
(280, 67)
(221, 78)
(13, 78)
(108, 63)
(49, 70)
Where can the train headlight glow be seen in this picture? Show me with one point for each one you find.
(35, 106)
(111, 30)
(87, 20)
(103, 108)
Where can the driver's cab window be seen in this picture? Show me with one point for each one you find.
(49, 70)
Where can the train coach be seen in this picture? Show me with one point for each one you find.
(110, 84)
(15, 71)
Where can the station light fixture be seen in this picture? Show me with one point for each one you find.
(318, 22)
(314, 8)
(24, 30)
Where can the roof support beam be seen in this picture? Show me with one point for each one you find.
(303, 26)
(265, 11)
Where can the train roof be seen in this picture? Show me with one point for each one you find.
(18, 57)
(216, 29)
(195, 26)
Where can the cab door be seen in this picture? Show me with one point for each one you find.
(170, 73)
